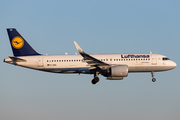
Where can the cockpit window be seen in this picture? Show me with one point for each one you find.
(165, 58)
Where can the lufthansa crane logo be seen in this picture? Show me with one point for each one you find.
(17, 42)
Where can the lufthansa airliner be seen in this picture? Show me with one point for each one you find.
(111, 66)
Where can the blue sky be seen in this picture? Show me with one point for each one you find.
(98, 26)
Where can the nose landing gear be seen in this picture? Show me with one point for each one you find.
(153, 79)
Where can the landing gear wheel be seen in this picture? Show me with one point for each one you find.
(95, 80)
(154, 80)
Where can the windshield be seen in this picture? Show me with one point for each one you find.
(165, 58)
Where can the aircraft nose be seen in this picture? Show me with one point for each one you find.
(174, 64)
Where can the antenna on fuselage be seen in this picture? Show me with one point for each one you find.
(66, 53)
(150, 52)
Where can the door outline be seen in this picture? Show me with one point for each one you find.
(40, 62)
(153, 59)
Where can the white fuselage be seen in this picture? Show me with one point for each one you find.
(112, 66)
(76, 64)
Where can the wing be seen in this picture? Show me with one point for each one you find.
(93, 62)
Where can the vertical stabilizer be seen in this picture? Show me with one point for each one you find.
(20, 46)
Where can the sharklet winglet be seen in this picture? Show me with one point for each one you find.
(78, 48)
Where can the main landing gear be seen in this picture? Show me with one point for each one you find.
(153, 79)
(96, 78)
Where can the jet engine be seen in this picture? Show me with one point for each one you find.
(118, 72)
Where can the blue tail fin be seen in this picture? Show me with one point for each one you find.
(20, 46)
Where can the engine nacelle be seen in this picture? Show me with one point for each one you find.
(114, 78)
(119, 71)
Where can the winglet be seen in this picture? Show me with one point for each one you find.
(78, 48)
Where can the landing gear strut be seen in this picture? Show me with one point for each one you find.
(153, 79)
(96, 78)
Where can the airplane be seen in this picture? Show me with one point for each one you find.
(111, 66)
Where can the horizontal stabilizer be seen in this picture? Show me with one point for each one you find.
(16, 59)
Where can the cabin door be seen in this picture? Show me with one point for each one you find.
(153, 59)
(40, 62)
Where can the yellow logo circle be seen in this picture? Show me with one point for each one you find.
(17, 42)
